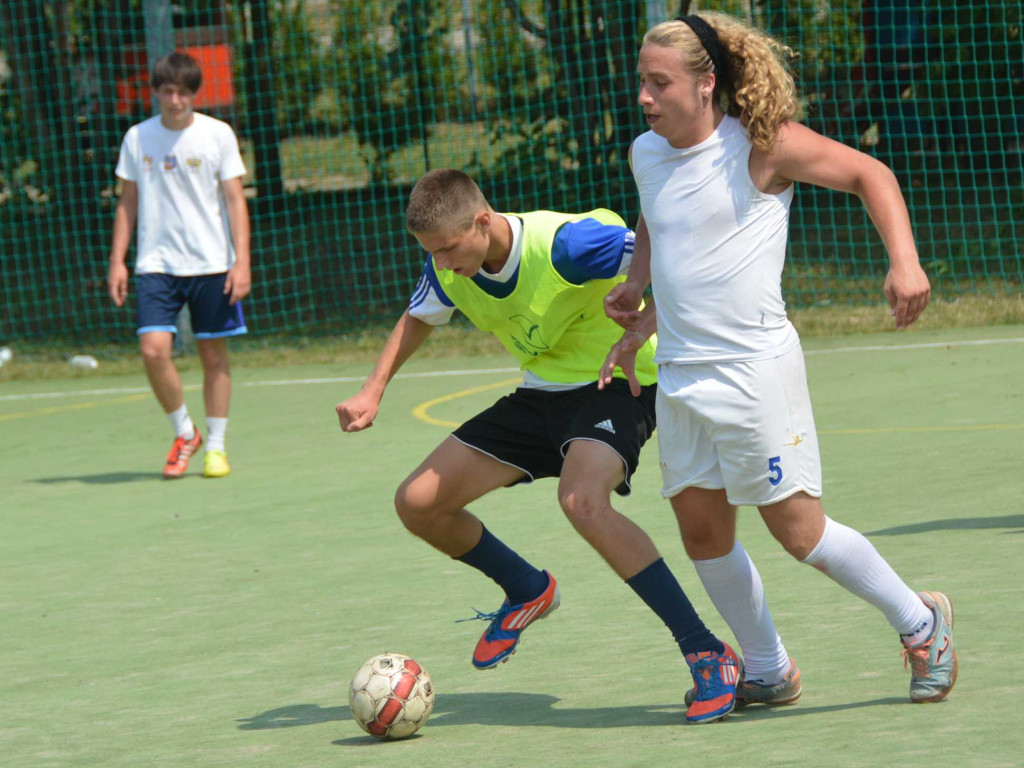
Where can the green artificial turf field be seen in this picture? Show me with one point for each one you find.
(216, 623)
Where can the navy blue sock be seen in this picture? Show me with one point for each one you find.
(519, 580)
(659, 589)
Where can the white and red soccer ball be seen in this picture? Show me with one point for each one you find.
(391, 696)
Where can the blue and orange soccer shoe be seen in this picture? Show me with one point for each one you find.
(181, 451)
(715, 677)
(500, 639)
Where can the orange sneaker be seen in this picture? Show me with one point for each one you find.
(500, 639)
(181, 451)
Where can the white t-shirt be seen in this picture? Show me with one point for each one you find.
(182, 219)
(718, 245)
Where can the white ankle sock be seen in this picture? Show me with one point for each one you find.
(923, 632)
(734, 586)
(217, 428)
(850, 560)
(182, 423)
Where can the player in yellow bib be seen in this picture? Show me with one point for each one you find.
(537, 281)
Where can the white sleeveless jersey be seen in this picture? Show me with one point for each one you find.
(718, 245)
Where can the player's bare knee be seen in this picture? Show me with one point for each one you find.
(417, 510)
(154, 354)
(794, 542)
(797, 524)
(703, 542)
(583, 509)
(214, 359)
(798, 540)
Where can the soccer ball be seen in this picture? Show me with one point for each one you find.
(391, 696)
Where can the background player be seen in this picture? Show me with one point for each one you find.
(181, 175)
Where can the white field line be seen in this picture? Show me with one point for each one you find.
(930, 345)
(277, 383)
(478, 371)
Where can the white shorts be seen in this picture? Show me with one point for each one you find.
(746, 427)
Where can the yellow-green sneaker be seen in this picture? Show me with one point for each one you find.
(216, 464)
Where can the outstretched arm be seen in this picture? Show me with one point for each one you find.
(804, 155)
(358, 412)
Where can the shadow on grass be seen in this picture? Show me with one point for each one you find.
(955, 524)
(525, 709)
(107, 478)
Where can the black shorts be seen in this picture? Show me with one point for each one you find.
(531, 429)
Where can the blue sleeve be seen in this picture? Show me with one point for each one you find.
(428, 282)
(589, 250)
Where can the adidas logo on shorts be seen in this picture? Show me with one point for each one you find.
(606, 425)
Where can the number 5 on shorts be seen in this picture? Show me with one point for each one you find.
(774, 470)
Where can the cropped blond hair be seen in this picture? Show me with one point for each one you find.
(764, 94)
(444, 201)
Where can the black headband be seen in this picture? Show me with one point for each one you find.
(713, 45)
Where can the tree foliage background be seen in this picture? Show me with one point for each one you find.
(542, 94)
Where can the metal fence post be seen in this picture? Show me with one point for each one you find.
(160, 43)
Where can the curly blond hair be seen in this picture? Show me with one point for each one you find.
(764, 94)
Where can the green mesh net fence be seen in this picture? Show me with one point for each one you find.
(340, 105)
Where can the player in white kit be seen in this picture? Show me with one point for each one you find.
(181, 174)
(715, 176)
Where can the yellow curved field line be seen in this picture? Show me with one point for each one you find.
(421, 413)
(421, 410)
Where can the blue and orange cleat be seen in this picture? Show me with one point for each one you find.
(500, 639)
(715, 677)
(181, 451)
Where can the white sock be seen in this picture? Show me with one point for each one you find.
(923, 632)
(850, 560)
(734, 586)
(182, 423)
(217, 428)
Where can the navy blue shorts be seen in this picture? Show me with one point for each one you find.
(160, 298)
(531, 429)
